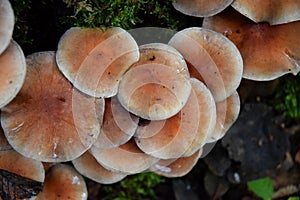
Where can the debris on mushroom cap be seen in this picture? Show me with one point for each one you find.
(201, 8)
(7, 22)
(176, 167)
(63, 182)
(94, 60)
(88, 166)
(268, 51)
(213, 56)
(272, 11)
(227, 113)
(118, 125)
(127, 158)
(49, 120)
(12, 72)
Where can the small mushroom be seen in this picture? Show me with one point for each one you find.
(94, 60)
(272, 11)
(7, 22)
(88, 166)
(49, 120)
(268, 51)
(201, 8)
(118, 125)
(63, 182)
(216, 59)
(12, 72)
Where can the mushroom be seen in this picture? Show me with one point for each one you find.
(49, 120)
(201, 8)
(12, 72)
(184, 133)
(7, 22)
(127, 158)
(157, 86)
(94, 60)
(118, 125)
(272, 11)
(212, 58)
(268, 51)
(63, 182)
(88, 166)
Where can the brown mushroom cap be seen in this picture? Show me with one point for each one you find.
(272, 11)
(7, 22)
(213, 56)
(94, 60)
(268, 51)
(118, 125)
(88, 166)
(12, 72)
(201, 8)
(49, 120)
(63, 182)
(127, 158)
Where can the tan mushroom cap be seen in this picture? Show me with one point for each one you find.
(213, 56)
(12, 72)
(12, 161)
(201, 8)
(227, 113)
(268, 51)
(118, 125)
(7, 22)
(176, 167)
(88, 166)
(95, 60)
(63, 182)
(127, 158)
(272, 11)
(49, 120)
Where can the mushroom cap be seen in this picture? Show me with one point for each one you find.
(88, 166)
(118, 125)
(213, 56)
(268, 51)
(272, 11)
(63, 182)
(176, 167)
(12, 72)
(7, 22)
(94, 60)
(127, 158)
(49, 120)
(201, 8)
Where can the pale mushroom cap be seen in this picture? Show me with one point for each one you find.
(201, 8)
(88, 166)
(118, 125)
(272, 11)
(12, 72)
(7, 22)
(63, 182)
(213, 56)
(268, 51)
(127, 158)
(49, 120)
(95, 60)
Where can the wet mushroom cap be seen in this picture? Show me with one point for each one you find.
(94, 60)
(272, 11)
(12, 72)
(268, 51)
(7, 22)
(49, 120)
(201, 8)
(63, 182)
(213, 56)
